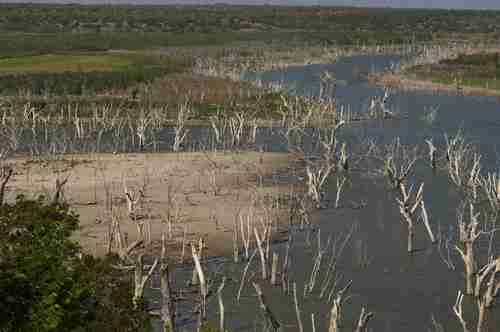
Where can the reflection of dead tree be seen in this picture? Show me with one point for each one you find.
(5, 175)
(275, 324)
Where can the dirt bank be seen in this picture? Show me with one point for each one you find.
(201, 194)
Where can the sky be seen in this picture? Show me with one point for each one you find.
(449, 4)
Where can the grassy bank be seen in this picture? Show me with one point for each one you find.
(83, 73)
(481, 70)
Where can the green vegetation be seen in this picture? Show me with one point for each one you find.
(83, 74)
(38, 29)
(56, 63)
(481, 70)
(45, 283)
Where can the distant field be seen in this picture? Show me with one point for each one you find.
(55, 63)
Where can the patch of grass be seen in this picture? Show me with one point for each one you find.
(480, 70)
(58, 63)
(84, 74)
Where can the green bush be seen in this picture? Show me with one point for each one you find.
(46, 284)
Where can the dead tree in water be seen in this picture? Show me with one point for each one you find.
(468, 234)
(167, 301)
(141, 279)
(364, 318)
(6, 174)
(203, 285)
(407, 207)
(275, 324)
(336, 311)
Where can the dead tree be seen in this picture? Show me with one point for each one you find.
(221, 305)
(336, 311)
(432, 153)
(316, 179)
(179, 129)
(458, 310)
(167, 301)
(6, 174)
(468, 234)
(398, 154)
(407, 207)
(203, 285)
(141, 279)
(59, 194)
(275, 324)
(363, 320)
(260, 246)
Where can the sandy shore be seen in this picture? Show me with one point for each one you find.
(402, 82)
(202, 194)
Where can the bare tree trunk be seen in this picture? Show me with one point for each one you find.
(203, 286)
(59, 191)
(297, 309)
(5, 177)
(274, 269)
(221, 305)
(364, 318)
(167, 302)
(141, 279)
(261, 253)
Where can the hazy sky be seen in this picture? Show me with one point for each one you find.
(474, 4)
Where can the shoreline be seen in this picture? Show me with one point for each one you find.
(179, 197)
(403, 82)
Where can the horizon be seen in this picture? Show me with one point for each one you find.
(389, 4)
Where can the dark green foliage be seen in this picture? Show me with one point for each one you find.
(45, 286)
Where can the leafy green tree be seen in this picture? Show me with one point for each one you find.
(47, 284)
